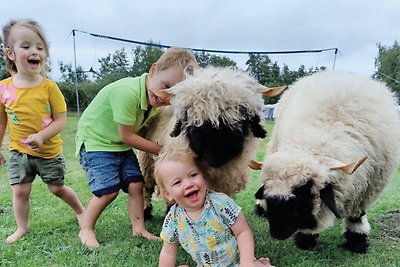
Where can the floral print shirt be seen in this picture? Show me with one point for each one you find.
(209, 240)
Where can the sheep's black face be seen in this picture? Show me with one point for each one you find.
(216, 146)
(286, 216)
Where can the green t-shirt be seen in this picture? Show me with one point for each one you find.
(121, 102)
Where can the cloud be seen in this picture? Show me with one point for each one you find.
(354, 27)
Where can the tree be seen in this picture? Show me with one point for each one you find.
(260, 67)
(3, 70)
(143, 58)
(387, 64)
(114, 63)
(206, 59)
(68, 74)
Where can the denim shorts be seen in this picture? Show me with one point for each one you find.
(108, 172)
(23, 168)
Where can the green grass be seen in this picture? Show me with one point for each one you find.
(52, 239)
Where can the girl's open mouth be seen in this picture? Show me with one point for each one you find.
(192, 194)
(34, 62)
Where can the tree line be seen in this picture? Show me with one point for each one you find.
(118, 65)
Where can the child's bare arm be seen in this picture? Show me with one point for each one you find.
(3, 126)
(131, 138)
(245, 240)
(55, 127)
(168, 254)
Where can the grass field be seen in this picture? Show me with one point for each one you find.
(52, 239)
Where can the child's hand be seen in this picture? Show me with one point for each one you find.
(34, 141)
(2, 159)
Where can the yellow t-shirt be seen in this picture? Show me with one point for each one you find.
(29, 110)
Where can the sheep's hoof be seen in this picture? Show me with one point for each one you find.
(305, 241)
(148, 213)
(356, 242)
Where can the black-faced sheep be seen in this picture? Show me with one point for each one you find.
(324, 122)
(216, 112)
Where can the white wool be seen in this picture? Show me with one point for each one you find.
(332, 117)
(208, 95)
(210, 91)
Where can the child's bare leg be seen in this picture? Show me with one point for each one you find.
(21, 193)
(70, 197)
(136, 211)
(95, 208)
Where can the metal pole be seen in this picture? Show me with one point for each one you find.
(334, 60)
(76, 77)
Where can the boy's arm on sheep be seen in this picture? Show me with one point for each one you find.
(131, 138)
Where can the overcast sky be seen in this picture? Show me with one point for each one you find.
(353, 26)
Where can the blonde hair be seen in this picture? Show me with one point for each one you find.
(179, 155)
(8, 42)
(175, 56)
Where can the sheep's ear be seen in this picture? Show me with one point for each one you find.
(351, 167)
(328, 198)
(165, 94)
(255, 165)
(177, 129)
(256, 128)
(260, 193)
(270, 91)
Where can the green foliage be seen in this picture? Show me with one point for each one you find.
(387, 64)
(116, 66)
(3, 70)
(143, 58)
(114, 63)
(268, 73)
(68, 74)
(206, 59)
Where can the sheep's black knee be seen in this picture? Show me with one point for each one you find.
(356, 242)
(148, 213)
(305, 241)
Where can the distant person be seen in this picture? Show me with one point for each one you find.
(271, 113)
(107, 132)
(209, 225)
(35, 110)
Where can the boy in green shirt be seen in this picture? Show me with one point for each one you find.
(107, 131)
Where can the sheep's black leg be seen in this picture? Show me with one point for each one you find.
(148, 212)
(356, 235)
(305, 241)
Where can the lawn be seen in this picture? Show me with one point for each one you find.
(52, 239)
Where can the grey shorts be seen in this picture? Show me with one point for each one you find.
(23, 168)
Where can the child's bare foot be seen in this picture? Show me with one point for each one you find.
(146, 234)
(16, 235)
(88, 238)
(264, 262)
(80, 218)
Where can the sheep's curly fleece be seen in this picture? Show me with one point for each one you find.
(327, 119)
(214, 95)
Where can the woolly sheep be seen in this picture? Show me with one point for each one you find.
(325, 121)
(215, 112)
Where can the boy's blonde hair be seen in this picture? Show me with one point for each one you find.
(176, 154)
(8, 42)
(175, 56)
